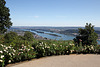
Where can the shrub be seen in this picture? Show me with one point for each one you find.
(9, 55)
(21, 50)
(47, 49)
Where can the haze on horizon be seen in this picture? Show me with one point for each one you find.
(54, 12)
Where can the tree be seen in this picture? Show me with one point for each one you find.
(87, 35)
(10, 37)
(5, 22)
(28, 36)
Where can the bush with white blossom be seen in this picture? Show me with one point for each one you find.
(10, 55)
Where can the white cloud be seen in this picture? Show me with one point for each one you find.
(36, 16)
(61, 16)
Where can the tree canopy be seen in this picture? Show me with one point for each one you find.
(10, 37)
(5, 22)
(28, 36)
(87, 35)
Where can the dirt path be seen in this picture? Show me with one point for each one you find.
(64, 61)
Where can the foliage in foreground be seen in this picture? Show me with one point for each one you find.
(14, 48)
(8, 54)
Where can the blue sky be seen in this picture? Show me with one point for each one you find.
(54, 12)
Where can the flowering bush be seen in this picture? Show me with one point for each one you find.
(24, 53)
(45, 49)
(9, 55)
(6, 53)
(12, 54)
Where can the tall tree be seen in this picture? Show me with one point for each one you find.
(87, 35)
(5, 22)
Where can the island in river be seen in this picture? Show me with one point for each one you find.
(58, 33)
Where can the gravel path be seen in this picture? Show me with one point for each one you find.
(64, 61)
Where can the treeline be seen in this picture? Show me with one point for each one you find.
(71, 31)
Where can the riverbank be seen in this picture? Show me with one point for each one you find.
(74, 60)
(47, 34)
(21, 33)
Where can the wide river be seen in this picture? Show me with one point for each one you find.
(52, 35)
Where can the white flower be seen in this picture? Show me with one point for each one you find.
(71, 51)
(42, 48)
(1, 45)
(54, 44)
(1, 60)
(92, 47)
(10, 54)
(21, 52)
(32, 47)
(42, 42)
(1, 51)
(9, 61)
(66, 46)
(20, 49)
(67, 51)
(2, 56)
(14, 50)
(13, 54)
(9, 47)
(5, 50)
(61, 45)
(24, 46)
(71, 44)
(45, 44)
(28, 49)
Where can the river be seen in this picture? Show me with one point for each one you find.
(52, 35)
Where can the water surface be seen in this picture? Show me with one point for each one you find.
(47, 35)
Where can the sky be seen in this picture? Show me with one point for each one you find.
(54, 12)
